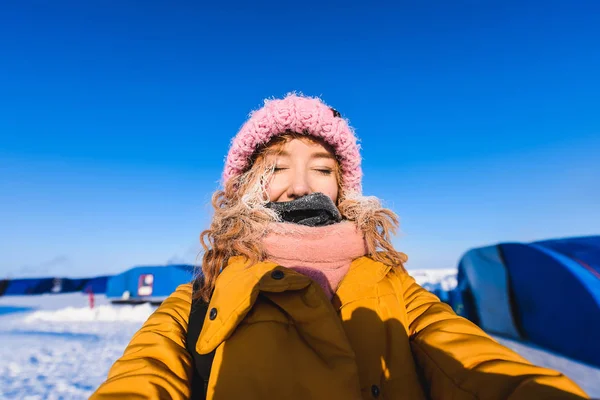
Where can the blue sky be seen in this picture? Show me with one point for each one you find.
(478, 120)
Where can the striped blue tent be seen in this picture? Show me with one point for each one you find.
(3, 286)
(547, 292)
(19, 287)
(70, 285)
(96, 285)
(51, 285)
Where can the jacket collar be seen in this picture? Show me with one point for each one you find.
(238, 286)
(361, 281)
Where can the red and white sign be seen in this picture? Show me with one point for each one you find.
(145, 285)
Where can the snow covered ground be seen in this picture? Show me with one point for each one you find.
(55, 347)
(586, 376)
(63, 349)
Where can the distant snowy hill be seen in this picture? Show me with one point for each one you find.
(443, 279)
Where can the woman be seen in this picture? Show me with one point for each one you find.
(306, 297)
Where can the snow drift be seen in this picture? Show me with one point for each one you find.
(106, 313)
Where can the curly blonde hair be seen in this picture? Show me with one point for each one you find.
(240, 218)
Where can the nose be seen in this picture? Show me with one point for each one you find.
(299, 186)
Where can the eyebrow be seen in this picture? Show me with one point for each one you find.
(321, 154)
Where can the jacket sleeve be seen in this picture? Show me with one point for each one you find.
(155, 364)
(460, 361)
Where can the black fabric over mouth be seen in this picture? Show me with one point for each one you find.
(315, 209)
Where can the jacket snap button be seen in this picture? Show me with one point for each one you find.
(375, 391)
(277, 274)
(213, 314)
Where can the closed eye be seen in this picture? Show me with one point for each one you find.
(324, 171)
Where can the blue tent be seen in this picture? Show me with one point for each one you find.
(462, 299)
(70, 285)
(148, 283)
(18, 287)
(67, 285)
(3, 285)
(96, 285)
(546, 292)
(28, 286)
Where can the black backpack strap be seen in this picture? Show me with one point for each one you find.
(202, 363)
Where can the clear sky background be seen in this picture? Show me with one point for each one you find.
(479, 120)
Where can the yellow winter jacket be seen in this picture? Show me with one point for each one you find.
(277, 336)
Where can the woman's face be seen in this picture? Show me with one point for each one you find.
(301, 168)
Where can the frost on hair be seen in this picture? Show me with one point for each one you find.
(241, 219)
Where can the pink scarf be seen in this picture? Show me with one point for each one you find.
(322, 253)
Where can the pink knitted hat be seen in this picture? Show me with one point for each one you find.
(303, 115)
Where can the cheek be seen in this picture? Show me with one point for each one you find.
(334, 192)
(275, 188)
(328, 187)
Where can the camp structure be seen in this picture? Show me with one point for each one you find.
(545, 292)
(147, 283)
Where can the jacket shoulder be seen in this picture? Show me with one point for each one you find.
(183, 293)
(156, 363)
(178, 305)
